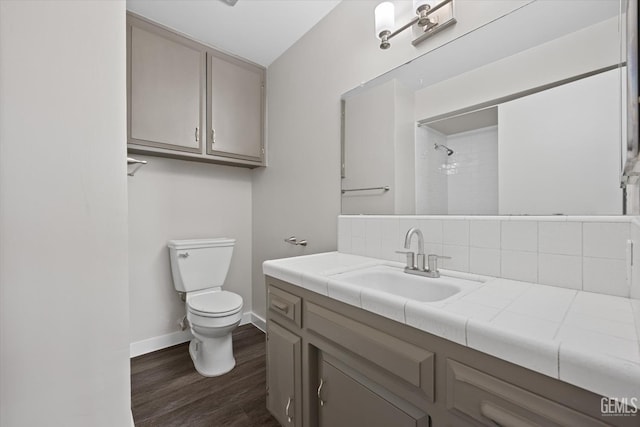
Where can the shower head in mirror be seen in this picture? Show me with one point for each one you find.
(443, 147)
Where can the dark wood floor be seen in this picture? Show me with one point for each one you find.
(166, 390)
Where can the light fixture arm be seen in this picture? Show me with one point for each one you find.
(423, 20)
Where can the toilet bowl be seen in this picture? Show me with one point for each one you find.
(199, 268)
(212, 316)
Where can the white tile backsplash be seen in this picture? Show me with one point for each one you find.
(431, 230)
(605, 239)
(519, 265)
(373, 239)
(484, 261)
(588, 253)
(459, 258)
(560, 270)
(484, 234)
(519, 236)
(561, 238)
(389, 230)
(456, 232)
(359, 227)
(605, 276)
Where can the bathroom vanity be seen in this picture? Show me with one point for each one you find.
(340, 355)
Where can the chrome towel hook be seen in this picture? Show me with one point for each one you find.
(138, 164)
(293, 240)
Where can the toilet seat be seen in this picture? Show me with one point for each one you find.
(215, 304)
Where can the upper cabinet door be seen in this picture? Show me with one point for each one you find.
(235, 108)
(166, 82)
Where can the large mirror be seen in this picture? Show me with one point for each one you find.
(522, 116)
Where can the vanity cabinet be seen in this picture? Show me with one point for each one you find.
(283, 375)
(348, 399)
(353, 367)
(189, 101)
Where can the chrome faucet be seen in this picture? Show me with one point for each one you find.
(419, 266)
(407, 244)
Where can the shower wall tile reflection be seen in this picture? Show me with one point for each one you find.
(462, 183)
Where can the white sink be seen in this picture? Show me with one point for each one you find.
(395, 281)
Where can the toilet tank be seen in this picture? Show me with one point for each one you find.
(200, 263)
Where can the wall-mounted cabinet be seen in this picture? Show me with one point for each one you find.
(189, 101)
(235, 119)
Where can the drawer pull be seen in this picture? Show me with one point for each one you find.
(280, 306)
(320, 392)
(286, 410)
(502, 417)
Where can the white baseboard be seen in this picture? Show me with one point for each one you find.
(158, 343)
(259, 322)
(149, 345)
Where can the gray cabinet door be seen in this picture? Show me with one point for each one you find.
(284, 375)
(346, 402)
(166, 81)
(235, 108)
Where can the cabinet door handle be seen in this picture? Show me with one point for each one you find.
(286, 410)
(280, 306)
(197, 135)
(320, 392)
(213, 137)
(502, 417)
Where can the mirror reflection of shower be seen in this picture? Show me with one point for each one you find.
(443, 147)
(457, 164)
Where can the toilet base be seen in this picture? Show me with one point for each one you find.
(212, 357)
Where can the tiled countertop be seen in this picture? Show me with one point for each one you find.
(583, 338)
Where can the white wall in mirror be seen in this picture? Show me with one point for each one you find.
(471, 181)
(558, 151)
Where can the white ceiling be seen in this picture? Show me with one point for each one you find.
(257, 30)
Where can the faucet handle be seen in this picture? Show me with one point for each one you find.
(432, 261)
(410, 258)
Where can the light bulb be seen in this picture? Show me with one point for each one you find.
(384, 17)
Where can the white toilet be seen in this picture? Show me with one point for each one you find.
(199, 268)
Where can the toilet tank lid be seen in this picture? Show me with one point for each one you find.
(201, 243)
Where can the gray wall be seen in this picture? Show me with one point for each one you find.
(64, 301)
(299, 193)
(175, 199)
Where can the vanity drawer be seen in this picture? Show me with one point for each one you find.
(404, 360)
(285, 305)
(492, 401)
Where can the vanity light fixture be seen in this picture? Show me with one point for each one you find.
(431, 17)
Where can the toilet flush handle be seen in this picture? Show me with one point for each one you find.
(184, 255)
